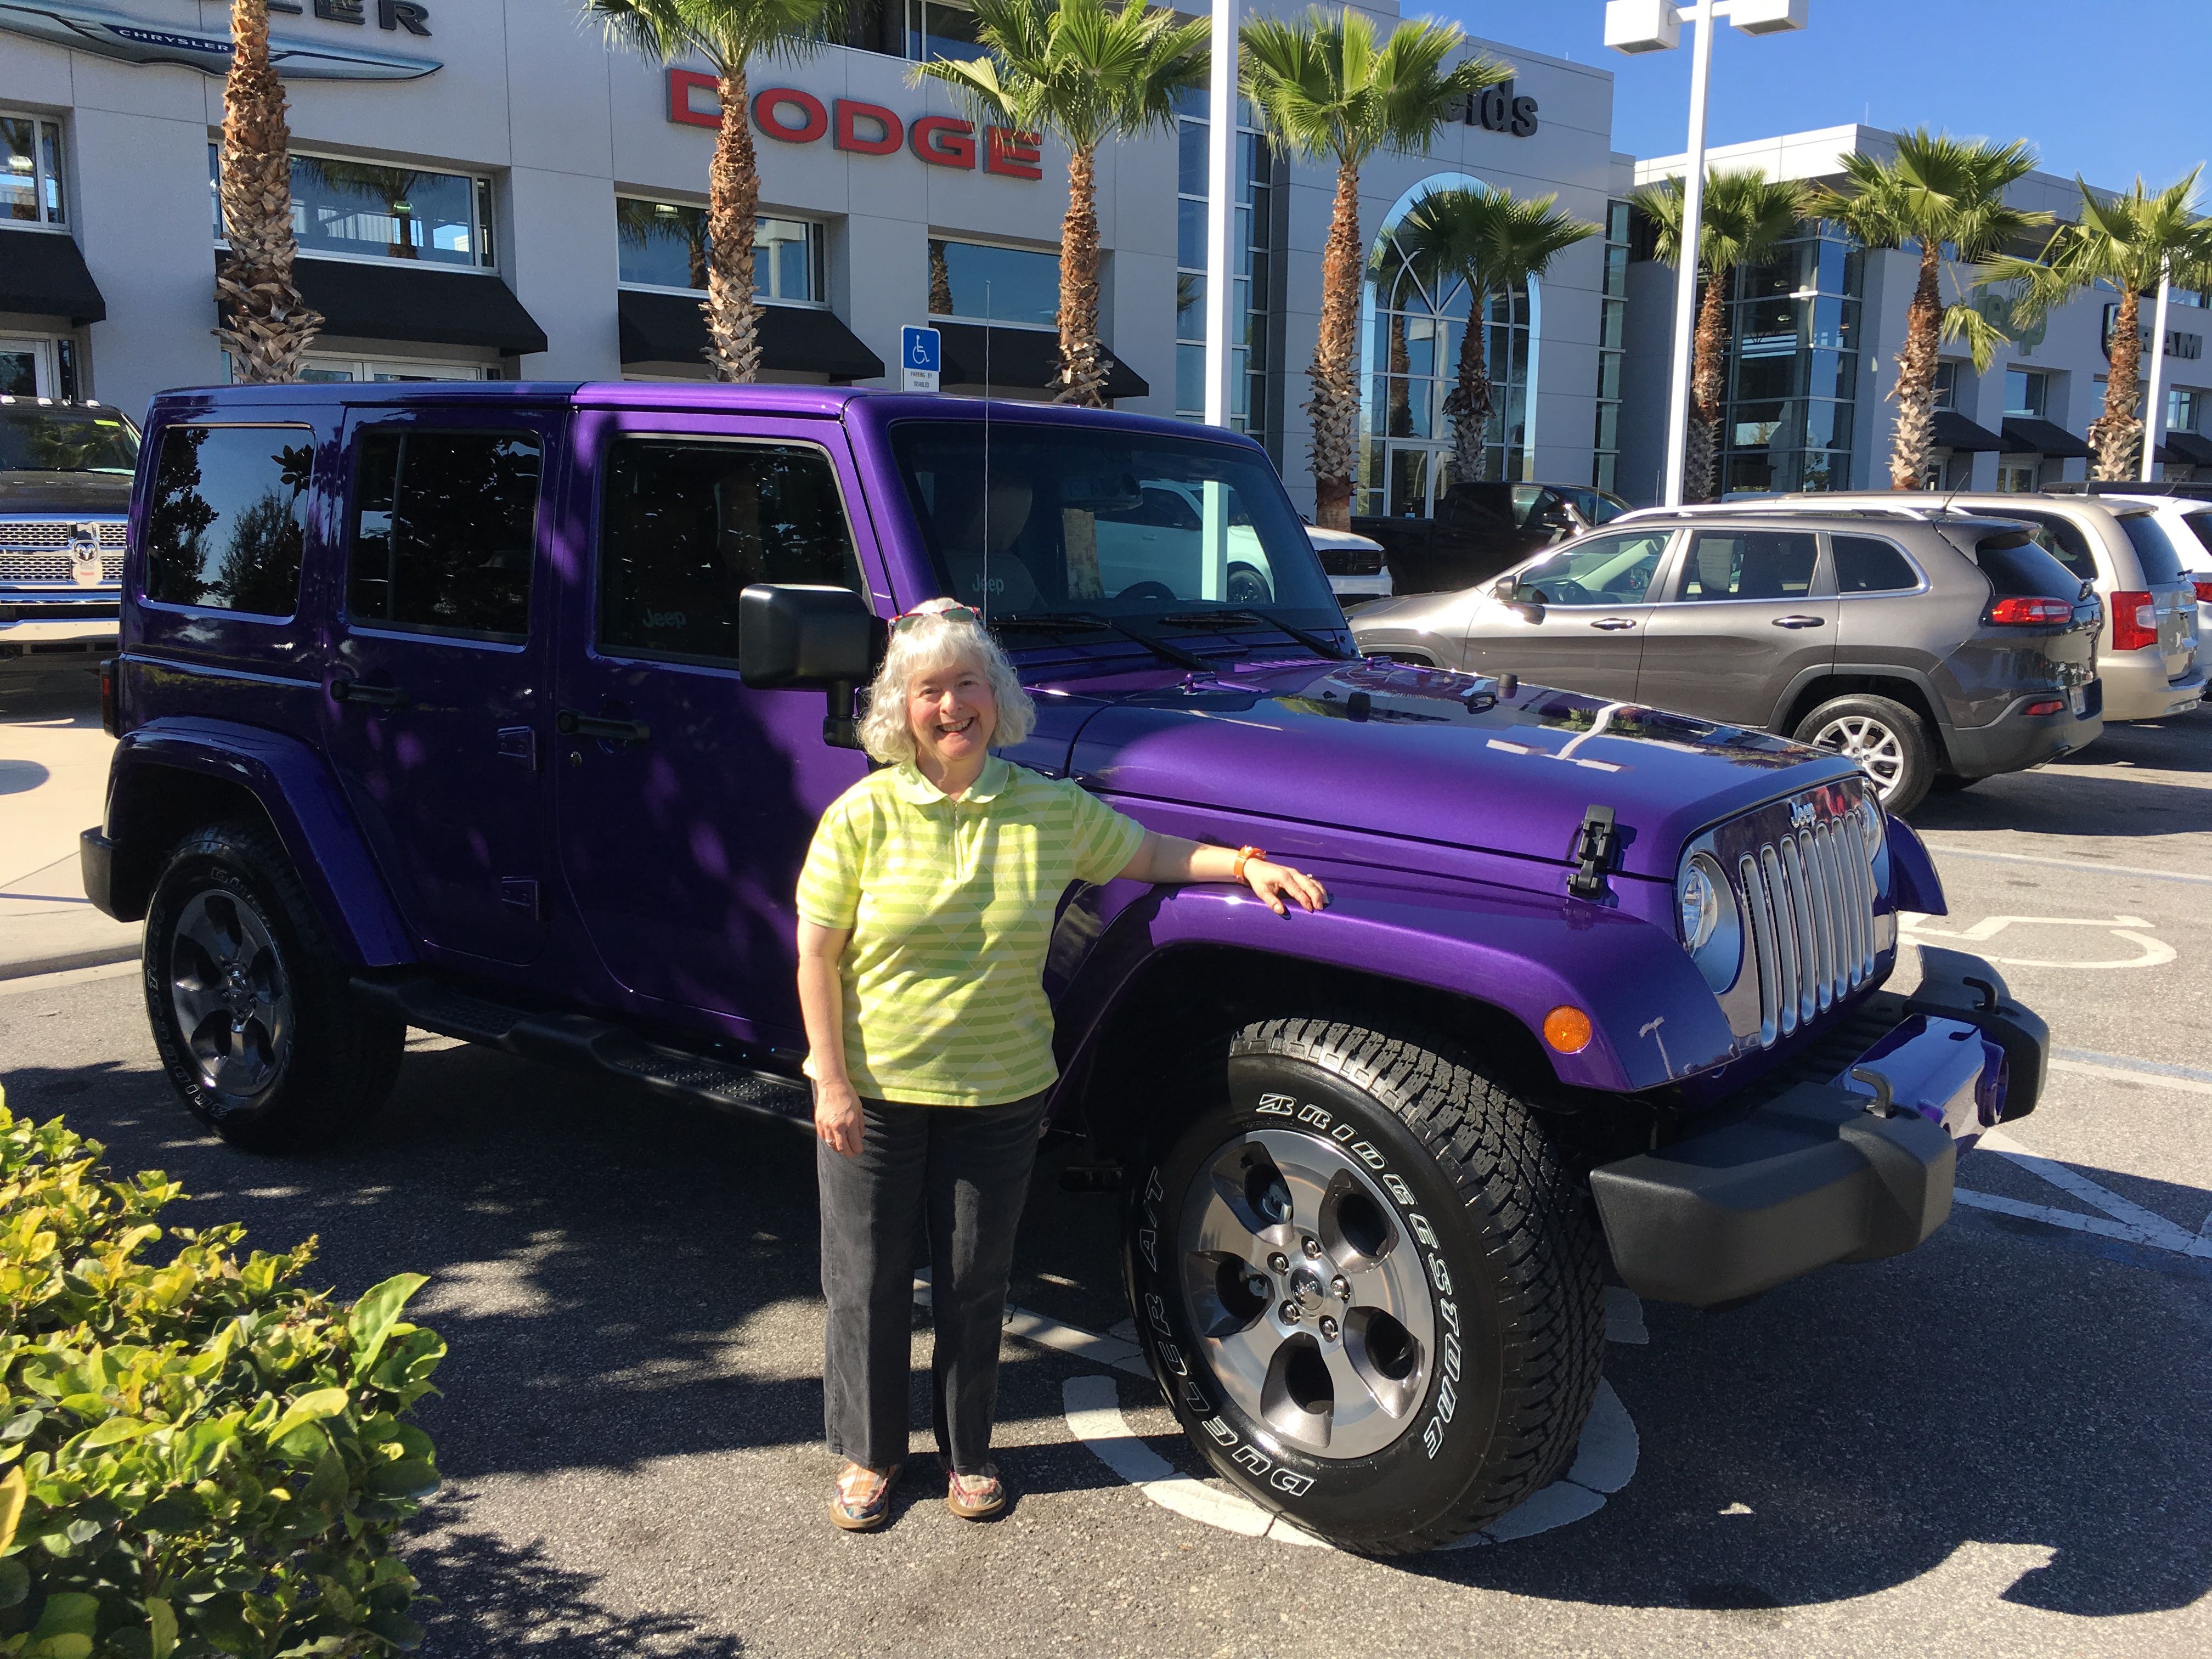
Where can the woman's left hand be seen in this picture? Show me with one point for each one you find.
(1274, 883)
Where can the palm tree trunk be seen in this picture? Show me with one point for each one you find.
(1335, 371)
(1915, 391)
(265, 324)
(733, 203)
(1082, 376)
(1397, 358)
(1708, 391)
(2116, 437)
(940, 281)
(1468, 402)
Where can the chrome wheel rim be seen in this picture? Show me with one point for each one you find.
(1307, 1296)
(230, 993)
(1877, 749)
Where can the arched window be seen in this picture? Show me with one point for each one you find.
(1411, 323)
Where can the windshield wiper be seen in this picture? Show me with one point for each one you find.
(1313, 642)
(1059, 621)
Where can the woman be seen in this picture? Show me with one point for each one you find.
(925, 907)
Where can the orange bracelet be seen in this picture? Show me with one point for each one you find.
(1243, 854)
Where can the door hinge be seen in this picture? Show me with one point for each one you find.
(521, 894)
(518, 743)
(1595, 845)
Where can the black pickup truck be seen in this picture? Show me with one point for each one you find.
(1481, 529)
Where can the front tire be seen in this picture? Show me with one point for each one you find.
(1891, 745)
(1367, 1285)
(261, 1035)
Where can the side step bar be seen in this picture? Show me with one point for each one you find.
(581, 1042)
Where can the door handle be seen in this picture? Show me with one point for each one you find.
(376, 696)
(1613, 624)
(570, 724)
(1801, 622)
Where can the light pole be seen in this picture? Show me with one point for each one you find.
(1220, 208)
(2153, 409)
(1641, 26)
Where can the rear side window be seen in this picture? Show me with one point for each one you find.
(2063, 539)
(1750, 564)
(2161, 563)
(686, 527)
(1864, 565)
(444, 527)
(225, 527)
(2018, 568)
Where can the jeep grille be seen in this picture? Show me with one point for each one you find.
(1809, 902)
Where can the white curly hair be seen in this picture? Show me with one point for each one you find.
(933, 640)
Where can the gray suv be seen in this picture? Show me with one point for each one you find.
(1933, 653)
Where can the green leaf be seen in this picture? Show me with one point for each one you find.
(411, 1476)
(116, 1429)
(14, 1583)
(12, 1492)
(397, 1628)
(69, 1613)
(376, 1313)
(162, 1622)
(309, 1408)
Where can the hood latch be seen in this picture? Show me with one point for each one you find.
(1595, 845)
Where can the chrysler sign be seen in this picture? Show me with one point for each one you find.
(792, 116)
(105, 33)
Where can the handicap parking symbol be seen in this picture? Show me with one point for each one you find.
(921, 357)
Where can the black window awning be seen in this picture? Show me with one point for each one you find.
(399, 301)
(2186, 449)
(1023, 359)
(2027, 435)
(1955, 431)
(42, 272)
(668, 328)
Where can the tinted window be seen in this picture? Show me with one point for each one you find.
(2201, 524)
(35, 439)
(1596, 570)
(1750, 564)
(1864, 565)
(444, 527)
(2160, 564)
(2018, 566)
(686, 527)
(224, 528)
(2063, 539)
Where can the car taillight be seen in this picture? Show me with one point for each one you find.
(2029, 613)
(2048, 706)
(2204, 585)
(2135, 621)
(111, 713)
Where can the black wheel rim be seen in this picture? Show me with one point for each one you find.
(230, 993)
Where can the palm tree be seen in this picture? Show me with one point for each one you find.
(641, 224)
(1086, 71)
(1745, 214)
(2130, 243)
(1945, 197)
(266, 325)
(729, 35)
(1325, 89)
(1494, 242)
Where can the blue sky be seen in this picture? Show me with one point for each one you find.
(2039, 70)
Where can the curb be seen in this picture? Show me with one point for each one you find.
(93, 956)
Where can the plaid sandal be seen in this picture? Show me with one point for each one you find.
(862, 1502)
(976, 1496)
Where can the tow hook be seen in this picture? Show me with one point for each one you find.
(1884, 1103)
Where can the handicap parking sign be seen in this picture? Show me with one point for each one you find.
(921, 355)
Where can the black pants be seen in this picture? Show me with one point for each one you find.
(961, 1173)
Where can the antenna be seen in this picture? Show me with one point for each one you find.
(986, 606)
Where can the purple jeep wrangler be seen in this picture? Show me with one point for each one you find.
(499, 710)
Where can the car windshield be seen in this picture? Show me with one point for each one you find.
(50, 440)
(2161, 565)
(1045, 520)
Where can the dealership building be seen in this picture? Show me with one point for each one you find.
(495, 192)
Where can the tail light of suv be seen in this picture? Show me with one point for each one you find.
(2203, 585)
(2135, 621)
(111, 712)
(2020, 612)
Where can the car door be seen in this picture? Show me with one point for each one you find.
(436, 716)
(686, 799)
(1574, 618)
(1746, 612)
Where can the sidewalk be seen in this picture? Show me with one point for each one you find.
(53, 785)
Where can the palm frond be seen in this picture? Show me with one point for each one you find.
(727, 34)
(1083, 69)
(1982, 337)
(1325, 87)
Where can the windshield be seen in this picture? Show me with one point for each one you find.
(2161, 565)
(35, 440)
(1073, 520)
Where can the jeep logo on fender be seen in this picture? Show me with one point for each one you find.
(793, 116)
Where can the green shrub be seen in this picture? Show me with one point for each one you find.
(198, 1456)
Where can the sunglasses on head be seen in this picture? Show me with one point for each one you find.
(935, 608)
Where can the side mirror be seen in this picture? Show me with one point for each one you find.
(794, 634)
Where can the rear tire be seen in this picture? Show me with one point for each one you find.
(1891, 743)
(260, 1033)
(1367, 1285)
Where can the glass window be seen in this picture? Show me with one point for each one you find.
(686, 525)
(983, 284)
(1079, 518)
(224, 526)
(59, 440)
(2063, 539)
(2184, 410)
(1946, 386)
(2019, 568)
(1864, 565)
(2154, 552)
(1750, 564)
(444, 528)
(2026, 393)
(665, 245)
(382, 210)
(30, 171)
(1596, 570)
(941, 29)
(2200, 525)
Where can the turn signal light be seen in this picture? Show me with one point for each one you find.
(2135, 621)
(1567, 1030)
(2029, 613)
(110, 715)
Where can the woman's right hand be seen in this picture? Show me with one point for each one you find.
(837, 1116)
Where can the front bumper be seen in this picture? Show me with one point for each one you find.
(1817, 1173)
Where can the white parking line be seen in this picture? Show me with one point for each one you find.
(2123, 1218)
(2152, 1074)
(2099, 868)
(2150, 952)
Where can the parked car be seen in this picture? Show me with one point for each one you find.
(508, 710)
(1146, 536)
(2149, 657)
(65, 472)
(2187, 520)
(1479, 529)
(1353, 564)
(1929, 653)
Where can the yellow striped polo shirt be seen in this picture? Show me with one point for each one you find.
(951, 905)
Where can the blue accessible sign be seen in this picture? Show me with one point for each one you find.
(922, 356)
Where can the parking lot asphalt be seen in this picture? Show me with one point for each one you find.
(1996, 1445)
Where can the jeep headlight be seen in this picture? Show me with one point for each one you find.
(1711, 923)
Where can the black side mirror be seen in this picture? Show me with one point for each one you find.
(794, 634)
